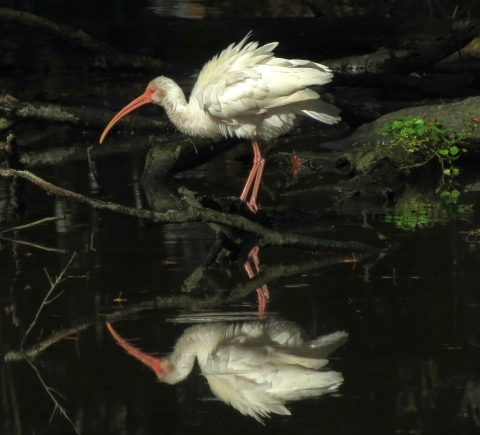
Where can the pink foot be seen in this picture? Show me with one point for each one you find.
(252, 205)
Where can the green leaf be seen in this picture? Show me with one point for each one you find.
(445, 193)
(455, 193)
(443, 152)
(454, 150)
(421, 129)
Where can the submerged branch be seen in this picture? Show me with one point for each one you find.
(266, 236)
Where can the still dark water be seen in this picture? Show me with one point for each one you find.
(411, 364)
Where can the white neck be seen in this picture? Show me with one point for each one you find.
(177, 108)
(196, 342)
(188, 117)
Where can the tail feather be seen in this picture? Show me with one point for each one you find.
(321, 111)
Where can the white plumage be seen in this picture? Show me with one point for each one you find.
(243, 92)
(253, 366)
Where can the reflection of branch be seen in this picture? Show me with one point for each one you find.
(79, 38)
(50, 391)
(32, 224)
(8, 379)
(34, 245)
(35, 350)
(266, 236)
(46, 300)
(200, 303)
(243, 289)
(174, 301)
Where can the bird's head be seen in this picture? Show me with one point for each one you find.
(161, 366)
(155, 93)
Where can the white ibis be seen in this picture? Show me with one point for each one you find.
(253, 366)
(244, 92)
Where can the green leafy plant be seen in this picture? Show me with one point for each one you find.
(430, 139)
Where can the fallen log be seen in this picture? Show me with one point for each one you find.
(107, 56)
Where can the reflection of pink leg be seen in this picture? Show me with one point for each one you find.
(254, 178)
(249, 270)
(263, 294)
(253, 256)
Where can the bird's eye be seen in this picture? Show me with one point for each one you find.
(152, 91)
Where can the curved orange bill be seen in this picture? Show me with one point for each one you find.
(135, 104)
(155, 363)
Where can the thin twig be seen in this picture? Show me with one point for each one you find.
(55, 297)
(55, 401)
(45, 300)
(32, 224)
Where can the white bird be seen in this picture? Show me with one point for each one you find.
(253, 366)
(244, 92)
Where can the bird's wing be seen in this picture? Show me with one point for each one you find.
(246, 81)
(235, 57)
(245, 395)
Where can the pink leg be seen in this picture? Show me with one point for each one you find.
(253, 199)
(248, 184)
(254, 178)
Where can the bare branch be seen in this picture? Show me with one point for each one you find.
(265, 235)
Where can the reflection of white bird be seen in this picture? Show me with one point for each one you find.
(254, 366)
(244, 92)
